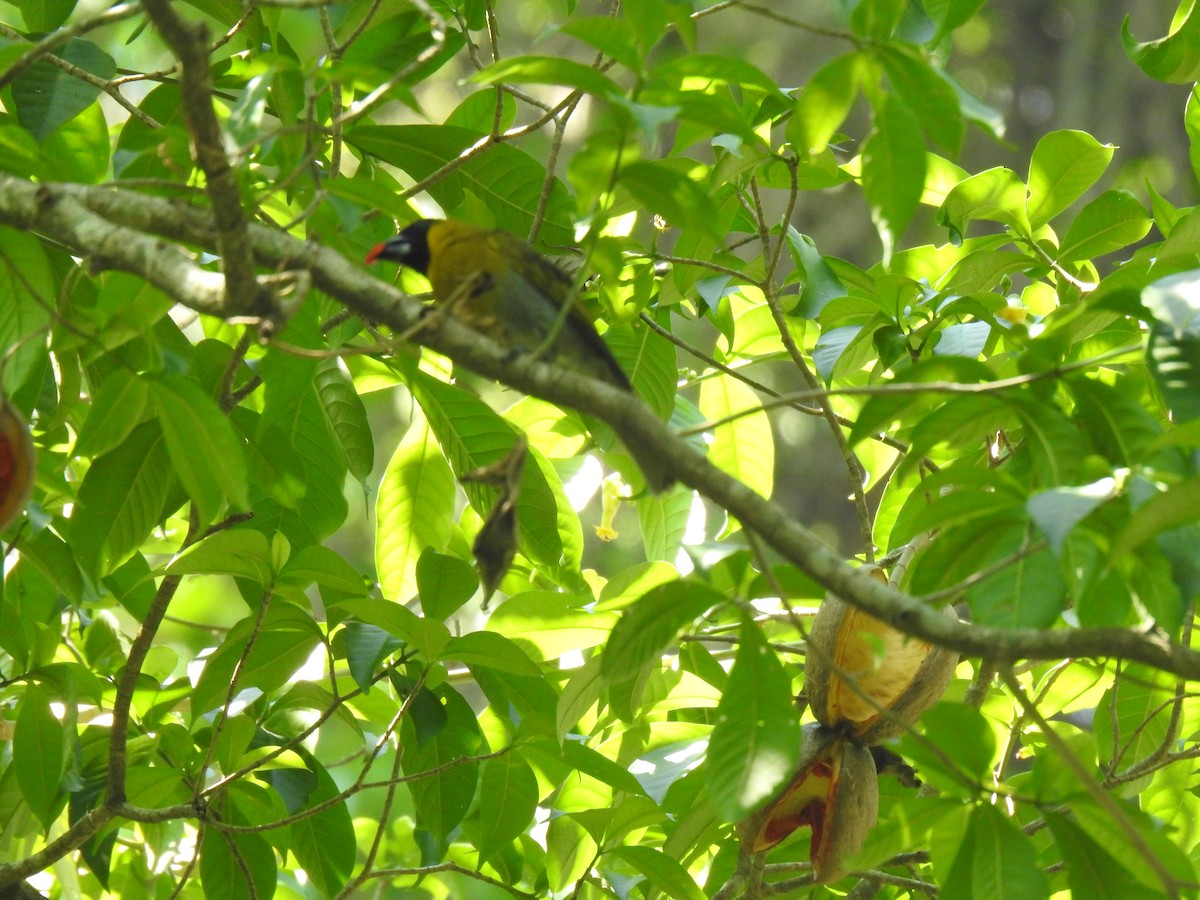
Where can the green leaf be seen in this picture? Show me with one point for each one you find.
(824, 103)
(1103, 828)
(611, 36)
(509, 792)
(1058, 510)
(473, 436)
(240, 552)
(494, 651)
(324, 842)
(1091, 871)
(755, 742)
(428, 636)
(743, 447)
(548, 70)
(24, 311)
(441, 801)
(821, 283)
(579, 694)
(553, 623)
(46, 97)
(1174, 349)
(508, 181)
(413, 511)
(995, 195)
(958, 746)
(346, 417)
(663, 189)
(204, 448)
(226, 859)
(650, 625)
(930, 97)
(893, 170)
(444, 583)
(38, 754)
(950, 14)
(1174, 58)
(1027, 593)
(1169, 509)
(1111, 222)
(662, 872)
(1063, 166)
(120, 500)
(1004, 862)
(117, 408)
(714, 67)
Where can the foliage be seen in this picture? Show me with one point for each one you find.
(242, 656)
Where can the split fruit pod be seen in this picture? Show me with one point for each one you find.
(17, 464)
(835, 792)
(857, 667)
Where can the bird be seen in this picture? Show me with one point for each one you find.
(502, 286)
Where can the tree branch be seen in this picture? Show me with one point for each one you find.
(378, 301)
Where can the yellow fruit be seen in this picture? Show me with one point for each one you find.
(835, 792)
(848, 649)
(16, 464)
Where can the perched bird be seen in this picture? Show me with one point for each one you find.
(503, 287)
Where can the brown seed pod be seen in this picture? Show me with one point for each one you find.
(901, 674)
(835, 791)
(17, 463)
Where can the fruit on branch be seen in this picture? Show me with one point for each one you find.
(864, 677)
(835, 792)
(17, 464)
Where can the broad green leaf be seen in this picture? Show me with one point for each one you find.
(821, 283)
(282, 645)
(930, 97)
(204, 448)
(663, 189)
(611, 36)
(824, 103)
(1091, 871)
(1174, 58)
(893, 170)
(579, 694)
(1174, 350)
(1169, 509)
(38, 754)
(413, 511)
(958, 749)
(346, 417)
(1058, 510)
(117, 408)
(444, 583)
(324, 842)
(649, 626)
(1063, 166)
(120, 500)
(756, 739)
(240, 552)
(1101, 826)
(509, 796)
(507, 180)
(429, 636)
(664, 873)
(553, 623)
(1026, 593)
(1004, 862)
(226, 859)
(714, 67)
(473, 436)
(1111, 222)
(442, 800)
(877, 18)
(45, 96)
(548, 70)
(494, 651)
(950, 14)
(743, 447)
(24, 313)
(995, 195)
